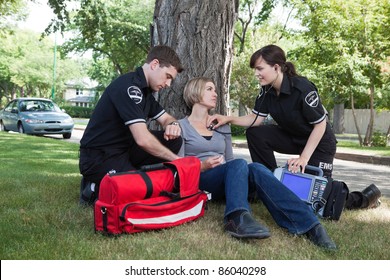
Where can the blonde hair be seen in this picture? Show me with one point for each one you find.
(194, 89)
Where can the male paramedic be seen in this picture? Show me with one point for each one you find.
(117, 137)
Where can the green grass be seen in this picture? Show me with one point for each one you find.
(383, 151)
(40, 219)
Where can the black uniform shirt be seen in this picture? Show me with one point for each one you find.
(296, 109)
(127, 100)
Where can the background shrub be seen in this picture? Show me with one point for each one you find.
(78, 112)
(237, 130)
(379, 139)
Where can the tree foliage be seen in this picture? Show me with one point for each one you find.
(11, 11)
(26, 66)
(115, 32)
(345, 47)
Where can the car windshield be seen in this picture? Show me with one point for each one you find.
(38, 106)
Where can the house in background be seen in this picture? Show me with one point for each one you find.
(80, 93)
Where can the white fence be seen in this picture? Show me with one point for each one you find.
(381, 121)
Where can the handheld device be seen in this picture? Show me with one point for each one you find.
(307, 187)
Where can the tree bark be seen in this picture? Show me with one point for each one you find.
(355, 121)
(370, 126)
(201, 32)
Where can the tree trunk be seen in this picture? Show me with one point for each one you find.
(370, 126)
(201, 32)
(338, 118)
(355, 121)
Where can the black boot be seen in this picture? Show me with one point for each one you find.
(244, 226)
(319, 237)
(354, 200)
(88, 192)
(371, 196)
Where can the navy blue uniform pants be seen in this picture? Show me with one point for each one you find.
(264, 140)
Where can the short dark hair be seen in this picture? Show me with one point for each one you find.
(166, 56)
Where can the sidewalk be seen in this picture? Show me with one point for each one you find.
(344, 154)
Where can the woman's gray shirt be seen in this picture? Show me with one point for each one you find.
(195, 144)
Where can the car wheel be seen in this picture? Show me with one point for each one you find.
(20, 128)
(67, 135)
(2, 127)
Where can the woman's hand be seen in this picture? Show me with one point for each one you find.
(216, 121)
(212, 162)
(297, 164)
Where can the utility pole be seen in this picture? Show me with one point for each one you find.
(54, 67)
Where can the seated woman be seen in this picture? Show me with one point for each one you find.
(225, 177)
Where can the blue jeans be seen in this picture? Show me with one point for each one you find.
(229, 181)
(287, 209)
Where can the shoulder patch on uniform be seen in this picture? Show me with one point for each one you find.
(312, 99)
(135, 94)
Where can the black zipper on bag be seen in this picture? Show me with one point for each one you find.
(113, 173)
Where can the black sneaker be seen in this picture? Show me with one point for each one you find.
(244, 226)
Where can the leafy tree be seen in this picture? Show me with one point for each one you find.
(26, 66)
(345, 45)
(12, 8)
(10, 12)
(116, 32)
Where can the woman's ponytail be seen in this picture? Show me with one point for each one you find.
(289, 69)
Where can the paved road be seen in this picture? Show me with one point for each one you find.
(356, 175)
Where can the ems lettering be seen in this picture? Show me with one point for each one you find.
(324, 165)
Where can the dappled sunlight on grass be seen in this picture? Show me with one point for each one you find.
(380, 214)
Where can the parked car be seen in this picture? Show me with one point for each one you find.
(35, 116)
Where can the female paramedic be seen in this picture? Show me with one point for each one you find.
(231, 179)
(302, 125)
(293, 102)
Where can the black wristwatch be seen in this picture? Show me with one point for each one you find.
(174, 123)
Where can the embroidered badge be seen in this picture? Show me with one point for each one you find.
(135, 94)
(312, 99)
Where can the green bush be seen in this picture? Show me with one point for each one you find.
(237, 130)
(379, 139)
(78, 112)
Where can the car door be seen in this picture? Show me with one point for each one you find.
(10, 120)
